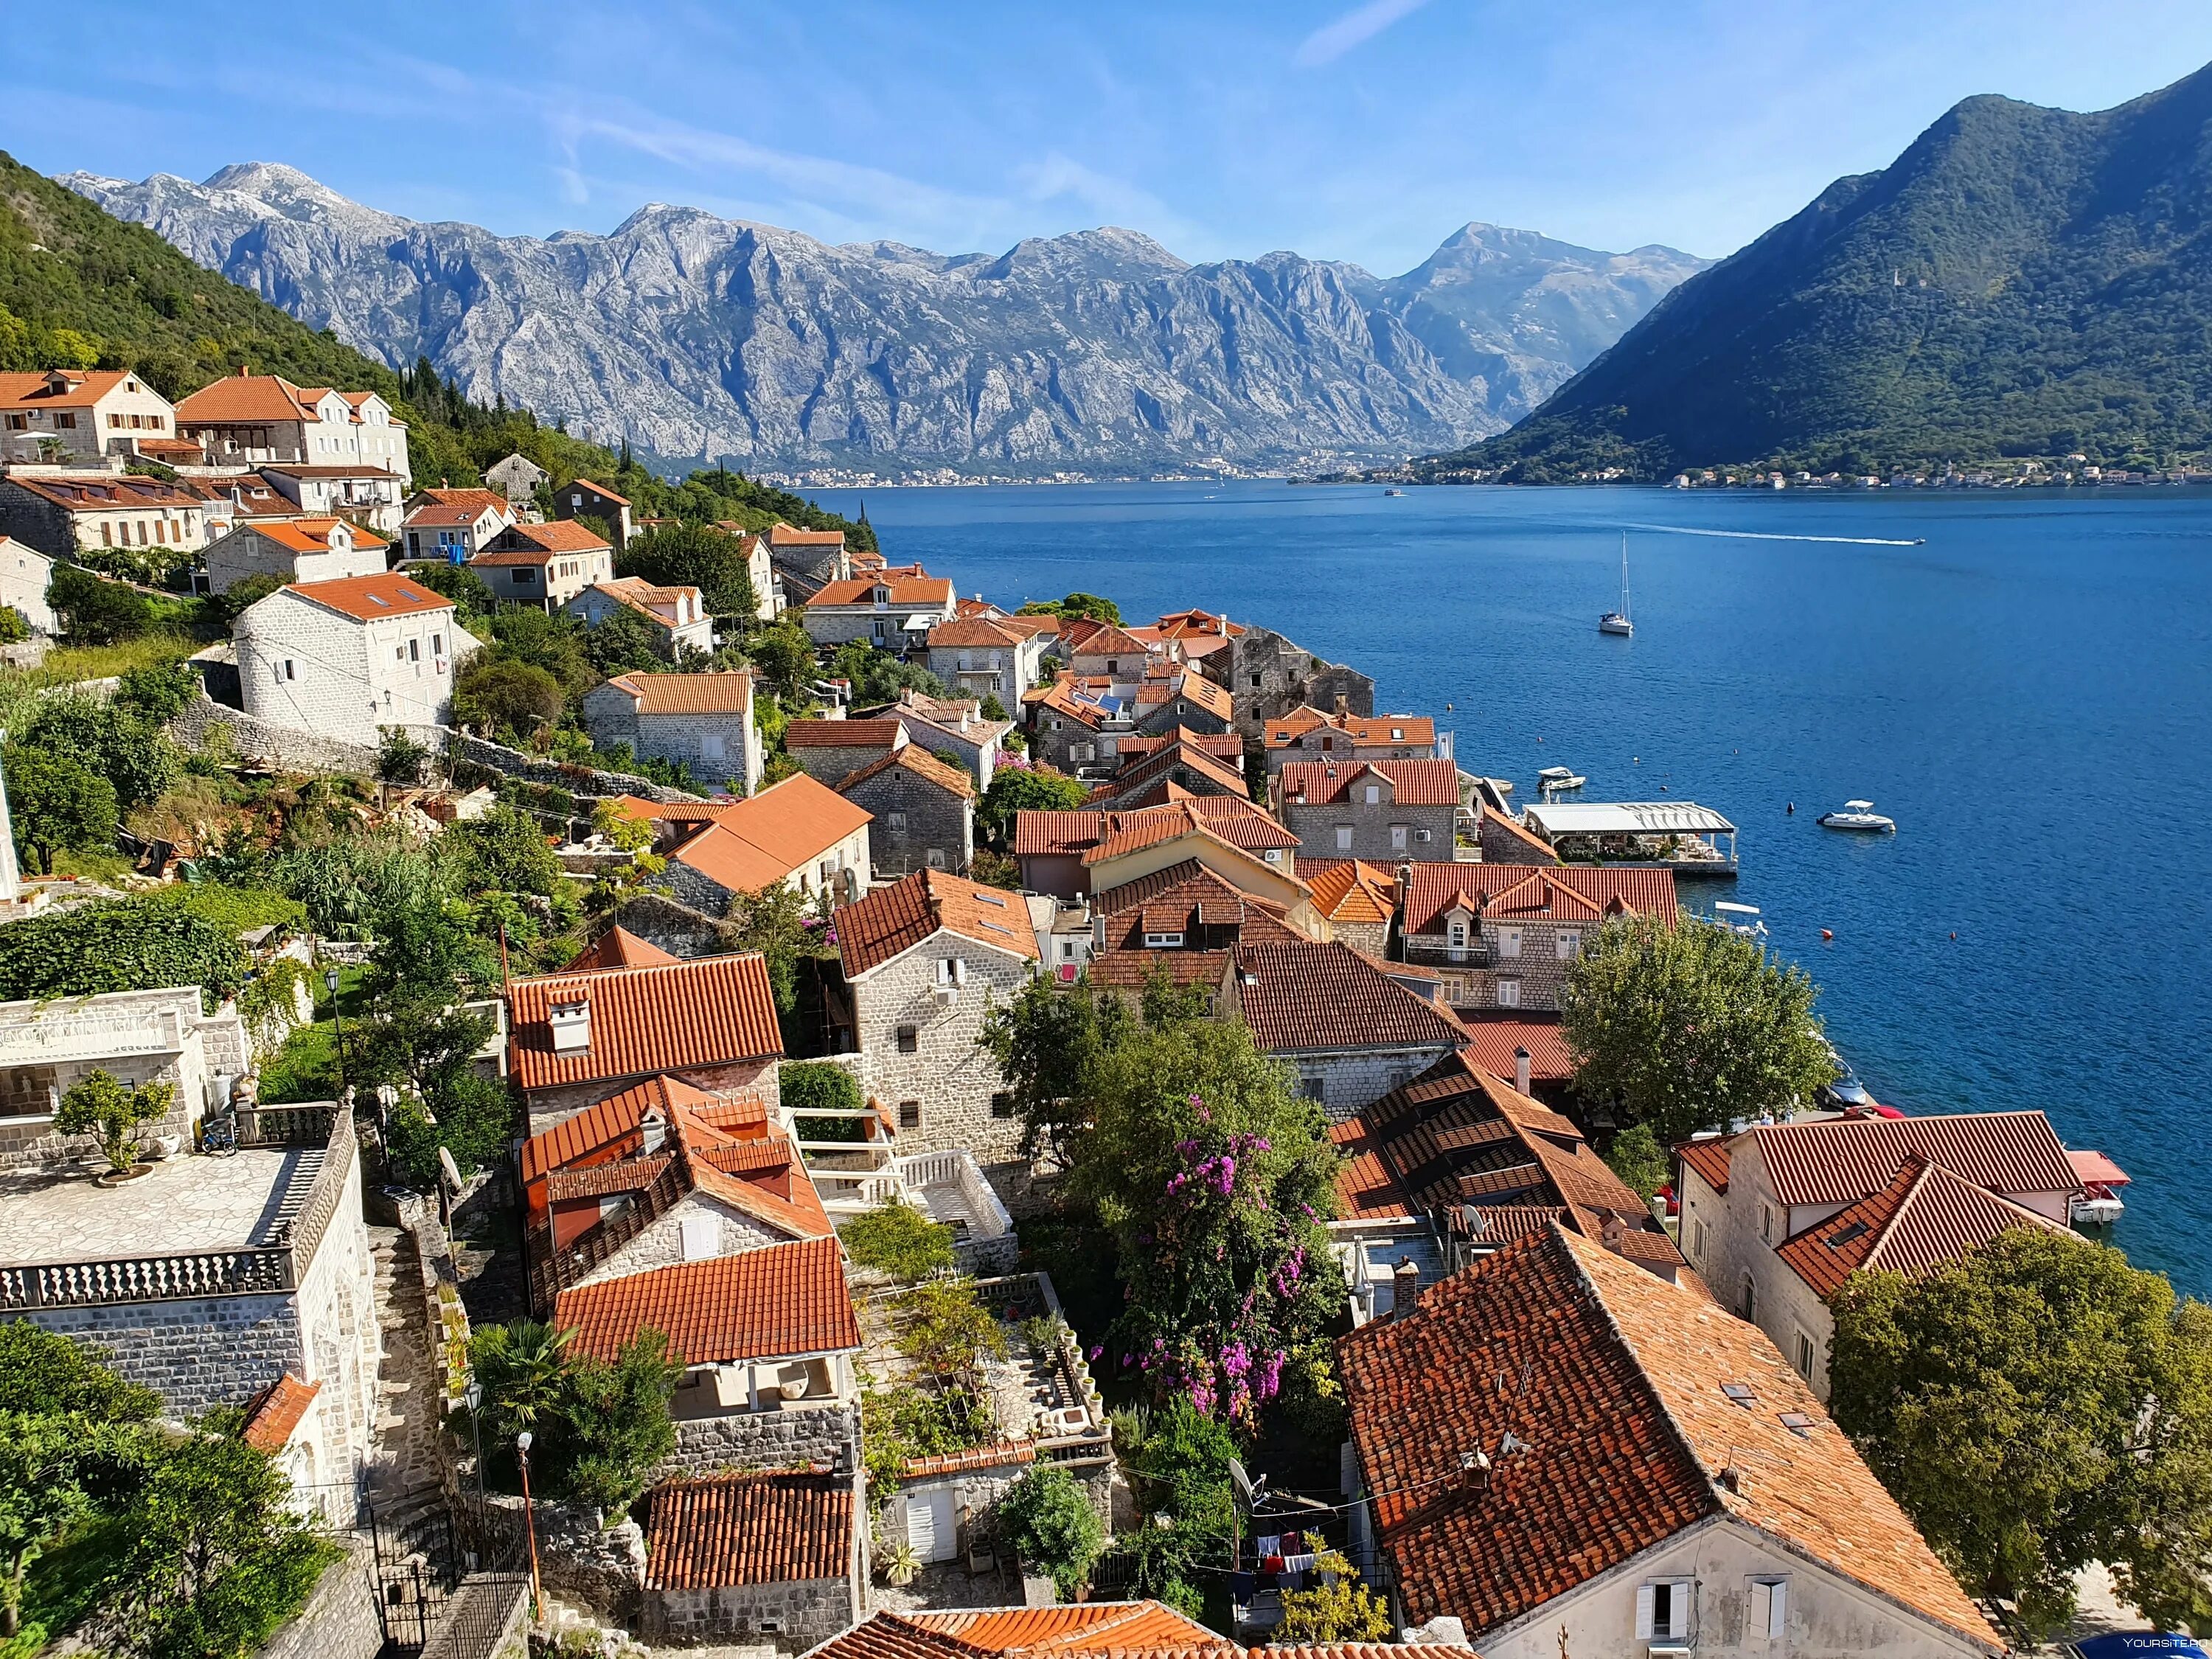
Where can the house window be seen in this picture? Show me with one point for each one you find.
(1163, 941)
(1509, 942)
(1770, 1608)
(1312, 1088)
(64, 421)
(910, 1039)
(1255, 681)
(106, 533)
(909, 1115)
(1567, 943)
(1662, 1609)
(1766, 1222)
(1698, 1240)
(1801, 1353)
(1425, 836)
(1344, 838)
(897, 821)
(287, 670)
(937, 858)
(951, 971)
(1002, 1105)
(1458, 937)
(1068, 949)
(414, 650)
(1374, 795)
(1747, 1302)
(1509, 993)
(1398, 837)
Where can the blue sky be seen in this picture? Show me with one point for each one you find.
(1347, 130)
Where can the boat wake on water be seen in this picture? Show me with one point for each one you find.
(1774, 536)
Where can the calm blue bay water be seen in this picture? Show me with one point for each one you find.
(2029, 694)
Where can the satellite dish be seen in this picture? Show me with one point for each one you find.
(1241, 1481)
(448, 1169)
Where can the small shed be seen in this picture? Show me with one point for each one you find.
(774, 1556)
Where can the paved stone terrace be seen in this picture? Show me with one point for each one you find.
(188, 1203)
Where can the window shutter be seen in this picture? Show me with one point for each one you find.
(1644, 1596)
(1777, 1608)
(1761, 1621)
(1678, 1607)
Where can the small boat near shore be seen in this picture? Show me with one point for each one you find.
(1552, 780)
(1859, 817)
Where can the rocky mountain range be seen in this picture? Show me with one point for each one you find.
(1099, 352)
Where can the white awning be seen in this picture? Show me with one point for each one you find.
(919, 624)
(1552, 819)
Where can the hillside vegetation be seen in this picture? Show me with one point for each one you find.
(81, 289)
(2021, 281)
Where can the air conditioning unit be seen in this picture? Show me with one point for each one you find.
(945, 994)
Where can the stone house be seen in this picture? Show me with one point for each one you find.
(778, 1556)
(979, 657)
(1193, 762)
(65, 514)
(1504, 935)
(584, 499)
(1070, 853)
(89, 416)
(891, 611)
(1106, 652)
(1501, 840)
(1269, 675)
(294, 551)
(364, 493)
(957, 729)
(1186, 920)
(793, 832)
(1308, 734)
(25, 574)
(1653, 1479)
(575, 1039)
(1171, 698)
(700, 721)
(212, 1280)
(263, 420)
(347, 658)
(1337, 1019)
(159, 1036)
(1776, 1218)
(546, 565)
(924, 959)
(831, 750)
(820, 554)
(679, 614)
(924, 812)
(1385, 811)
(1075, 727)
(517, 477)
(1360, 900)
(452, 526)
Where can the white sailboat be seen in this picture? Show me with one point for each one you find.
(1616, 621)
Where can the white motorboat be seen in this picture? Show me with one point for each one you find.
(1860, 815)
(1740, 918)
(1553, 779)
(1616, 621)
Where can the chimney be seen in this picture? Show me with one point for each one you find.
(1521, 1069)
(571, 1020)
(1343, 705)
(1404, 1287)
(1611, 1230)
(655, 1129)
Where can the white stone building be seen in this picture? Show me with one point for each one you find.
(347, 658)
(924, 959)
(451, 527)
(543, 564)
(893, 610)
(677, 614)
(302, 550)
(793, 832)
(258, 420)
(980, 656)
(24, 573)
(81, 415)
(65, 514)
(368, 494)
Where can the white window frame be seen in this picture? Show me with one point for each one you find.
(1374, 794)
(1163, 941)
(1508, 942)
(1681, 1601)
(1398, 837)
(1567, 944)
(1344, 838)
(1769, 1610)
(1509, 993)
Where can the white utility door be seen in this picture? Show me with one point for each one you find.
(929, 1525)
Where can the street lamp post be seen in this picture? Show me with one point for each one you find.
(528, 1524)
(472, 1397)
(338, 1020)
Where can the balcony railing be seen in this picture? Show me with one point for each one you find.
(254, 1270)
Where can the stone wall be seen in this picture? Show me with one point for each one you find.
(1351, 1079)
(1536, 968)
(1270, 676)
(975, 1494)
(661, 1243)
(548, 1107)
(827, 1437)
(794, 1615)
(1316, 827)
(951, 1078)
(676, 928)
(918, 824)
(197, 1353)
(338, 1622)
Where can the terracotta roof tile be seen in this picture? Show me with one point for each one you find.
(1132, 971)
(1376, 730)
(729, 691)
(601, 490)
(974, 631)
(1412, 782)
(712, 1012)
(749, 1530)
(1627, 1431)
(1224, 773)
(893, 919)
(1348, 890)
(533, 543)
(1303, 998)
(917, 593)
(108, 492)
(270, 1420)
(1239, 821)
(842, 734)
(1082, 1627)
(778, 832)
(1491, 1043)
(372, 598)
(953, 779)
(628, 1175)
(1925, 1218)
(81, 387)
(1535, 893)
(780, 534)
(314, 535)
(246, 397)
(618, 948)
(779, 1302)
(1709, 1156)
(1841, 1160)
(1188, 898)
(610, 1128)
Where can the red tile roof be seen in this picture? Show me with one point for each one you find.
(108, 492)
(610, 1127)
(773, 836)
(605, 493)
(247, 397)
(618, 948)
(371, 598)
(1841, 1160)
(780, 534)
(737, 1530)
(974, 631)
(1378, 731)
(533, 543)
(270, 1420)
(1415, 782)
(893, 919)
(1303, 998)
(314, 535)
(1925, 1218)
(953, 779)
(1227, 774)
(78, 388)
(472, 500)
(1530, 892)
(1530, 842)
(1347, 890)
(1491, 1043)
(842, 734)
(1222, 745)
(922, 592)
(1709, 1156)
(1109, 1630)
(781, 1302)
(1626, 1436)
(628, 1175)
(715, 1011)
(1190, 899)
(729, 691)
(1238, 821)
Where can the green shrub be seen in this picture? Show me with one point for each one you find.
(1045, 1517)
(899, 1240)
(818, 1085)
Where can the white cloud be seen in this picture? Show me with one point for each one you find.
(1356, 28)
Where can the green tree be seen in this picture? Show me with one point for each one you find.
(695, 555)
(496, 694)
(785, 657)
(93, 611)
(1045, 1517)
(40, 1494)
(1689, 1026)
(615, 1424)
(944, 1330)
(1336, 1608)
(813, 1087)
(56, 805)
(1024, 789)
(48, 1375)
(504, 851)
(159, 692)
(552, 641)
(243, 595)
(97, 1105)
(992, 709)
(119, 946)
(522, 1368)
(624, 642)
(114, 739)
(400, 759)
(1638, 1159)
(1178, 1462)
(1049, 1043)
(2035, 1406)
(1076, 605)
(473, 599)
(787, 929)
(896, 1239)
(880, 676)
(15, 626)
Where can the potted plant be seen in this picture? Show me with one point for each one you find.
(902, 1566)
(99, 1105)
